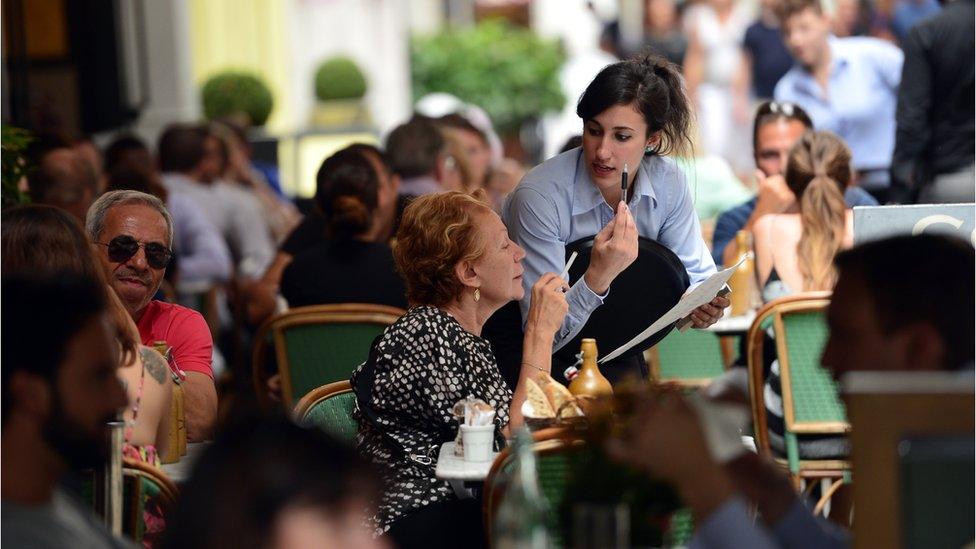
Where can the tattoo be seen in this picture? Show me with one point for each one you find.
(154, 364)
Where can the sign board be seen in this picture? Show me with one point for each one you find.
(875, 222)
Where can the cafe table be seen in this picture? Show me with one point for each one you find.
(179, 471)
(455, 468)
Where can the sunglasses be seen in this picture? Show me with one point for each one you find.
(123, 247)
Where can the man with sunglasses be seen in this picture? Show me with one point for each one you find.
(132, 233)
(777, 127)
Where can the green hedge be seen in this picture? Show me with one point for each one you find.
(339, 78)
(232, 93)
(508, 71)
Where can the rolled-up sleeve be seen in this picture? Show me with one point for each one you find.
(533, 223)
(681, 232)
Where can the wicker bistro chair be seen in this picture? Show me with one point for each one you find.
(144, 483)
(317, 344)
(811, 404)
(690, 359)
(330, 408)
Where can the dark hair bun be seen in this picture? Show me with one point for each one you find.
(350, 217)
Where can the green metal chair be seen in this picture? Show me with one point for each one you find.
(330, 408)
(811, 404)
(691, 359)
(317, 344)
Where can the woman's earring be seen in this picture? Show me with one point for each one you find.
(648, 149)
(477, 294)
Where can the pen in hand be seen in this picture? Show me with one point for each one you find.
(623, 183)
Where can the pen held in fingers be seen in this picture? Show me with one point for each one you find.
(623, 183)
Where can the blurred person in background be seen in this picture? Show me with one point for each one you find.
(715, 29)
(934, 141)
(351, 263)
(419, 155)
(202, 255)
(662, 34)
(908, 13)
(90, 152)
(474, 143)
(777, 127)
(63, 178)
(764, 60)
(133, 233)
(848, 86)
(280, 214)
(192, 160)
(268, 483)
(313, 229)
(60, 390)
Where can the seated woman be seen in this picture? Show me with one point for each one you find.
(43, 239)
(459, 267)
(262, 301)
(795, 252)
(349, 264)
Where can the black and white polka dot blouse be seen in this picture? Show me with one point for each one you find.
(421, 366)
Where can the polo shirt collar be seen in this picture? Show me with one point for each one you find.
(586, 195)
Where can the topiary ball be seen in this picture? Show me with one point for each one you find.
(339, 78)
(232, 93)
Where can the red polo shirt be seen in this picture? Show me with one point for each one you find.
(184, 330)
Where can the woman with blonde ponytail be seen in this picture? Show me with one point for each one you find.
(795, 250)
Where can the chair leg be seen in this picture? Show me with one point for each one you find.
(827, 494)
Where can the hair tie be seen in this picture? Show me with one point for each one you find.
(820, 172)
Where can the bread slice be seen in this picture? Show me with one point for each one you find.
(536, 398)
(563, 402)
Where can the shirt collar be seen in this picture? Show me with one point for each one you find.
(839, 57)
(586, 195)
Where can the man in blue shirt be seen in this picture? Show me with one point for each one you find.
(776, 129)
(848, 86)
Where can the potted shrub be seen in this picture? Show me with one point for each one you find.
(339, 89)
(237, 94)
(508, 71)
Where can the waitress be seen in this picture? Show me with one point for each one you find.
(634, 113)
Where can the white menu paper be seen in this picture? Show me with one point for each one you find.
(702, 294)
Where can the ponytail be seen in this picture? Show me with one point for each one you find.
(818, 172)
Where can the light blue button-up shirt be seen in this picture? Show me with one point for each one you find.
(557, 203)
(859, 102)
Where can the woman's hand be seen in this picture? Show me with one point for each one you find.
(614, 249)
(709, 313)
(548, 307)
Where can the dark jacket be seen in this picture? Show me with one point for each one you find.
(935, 101)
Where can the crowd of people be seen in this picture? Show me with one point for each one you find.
(142, 270)
(892, 79)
